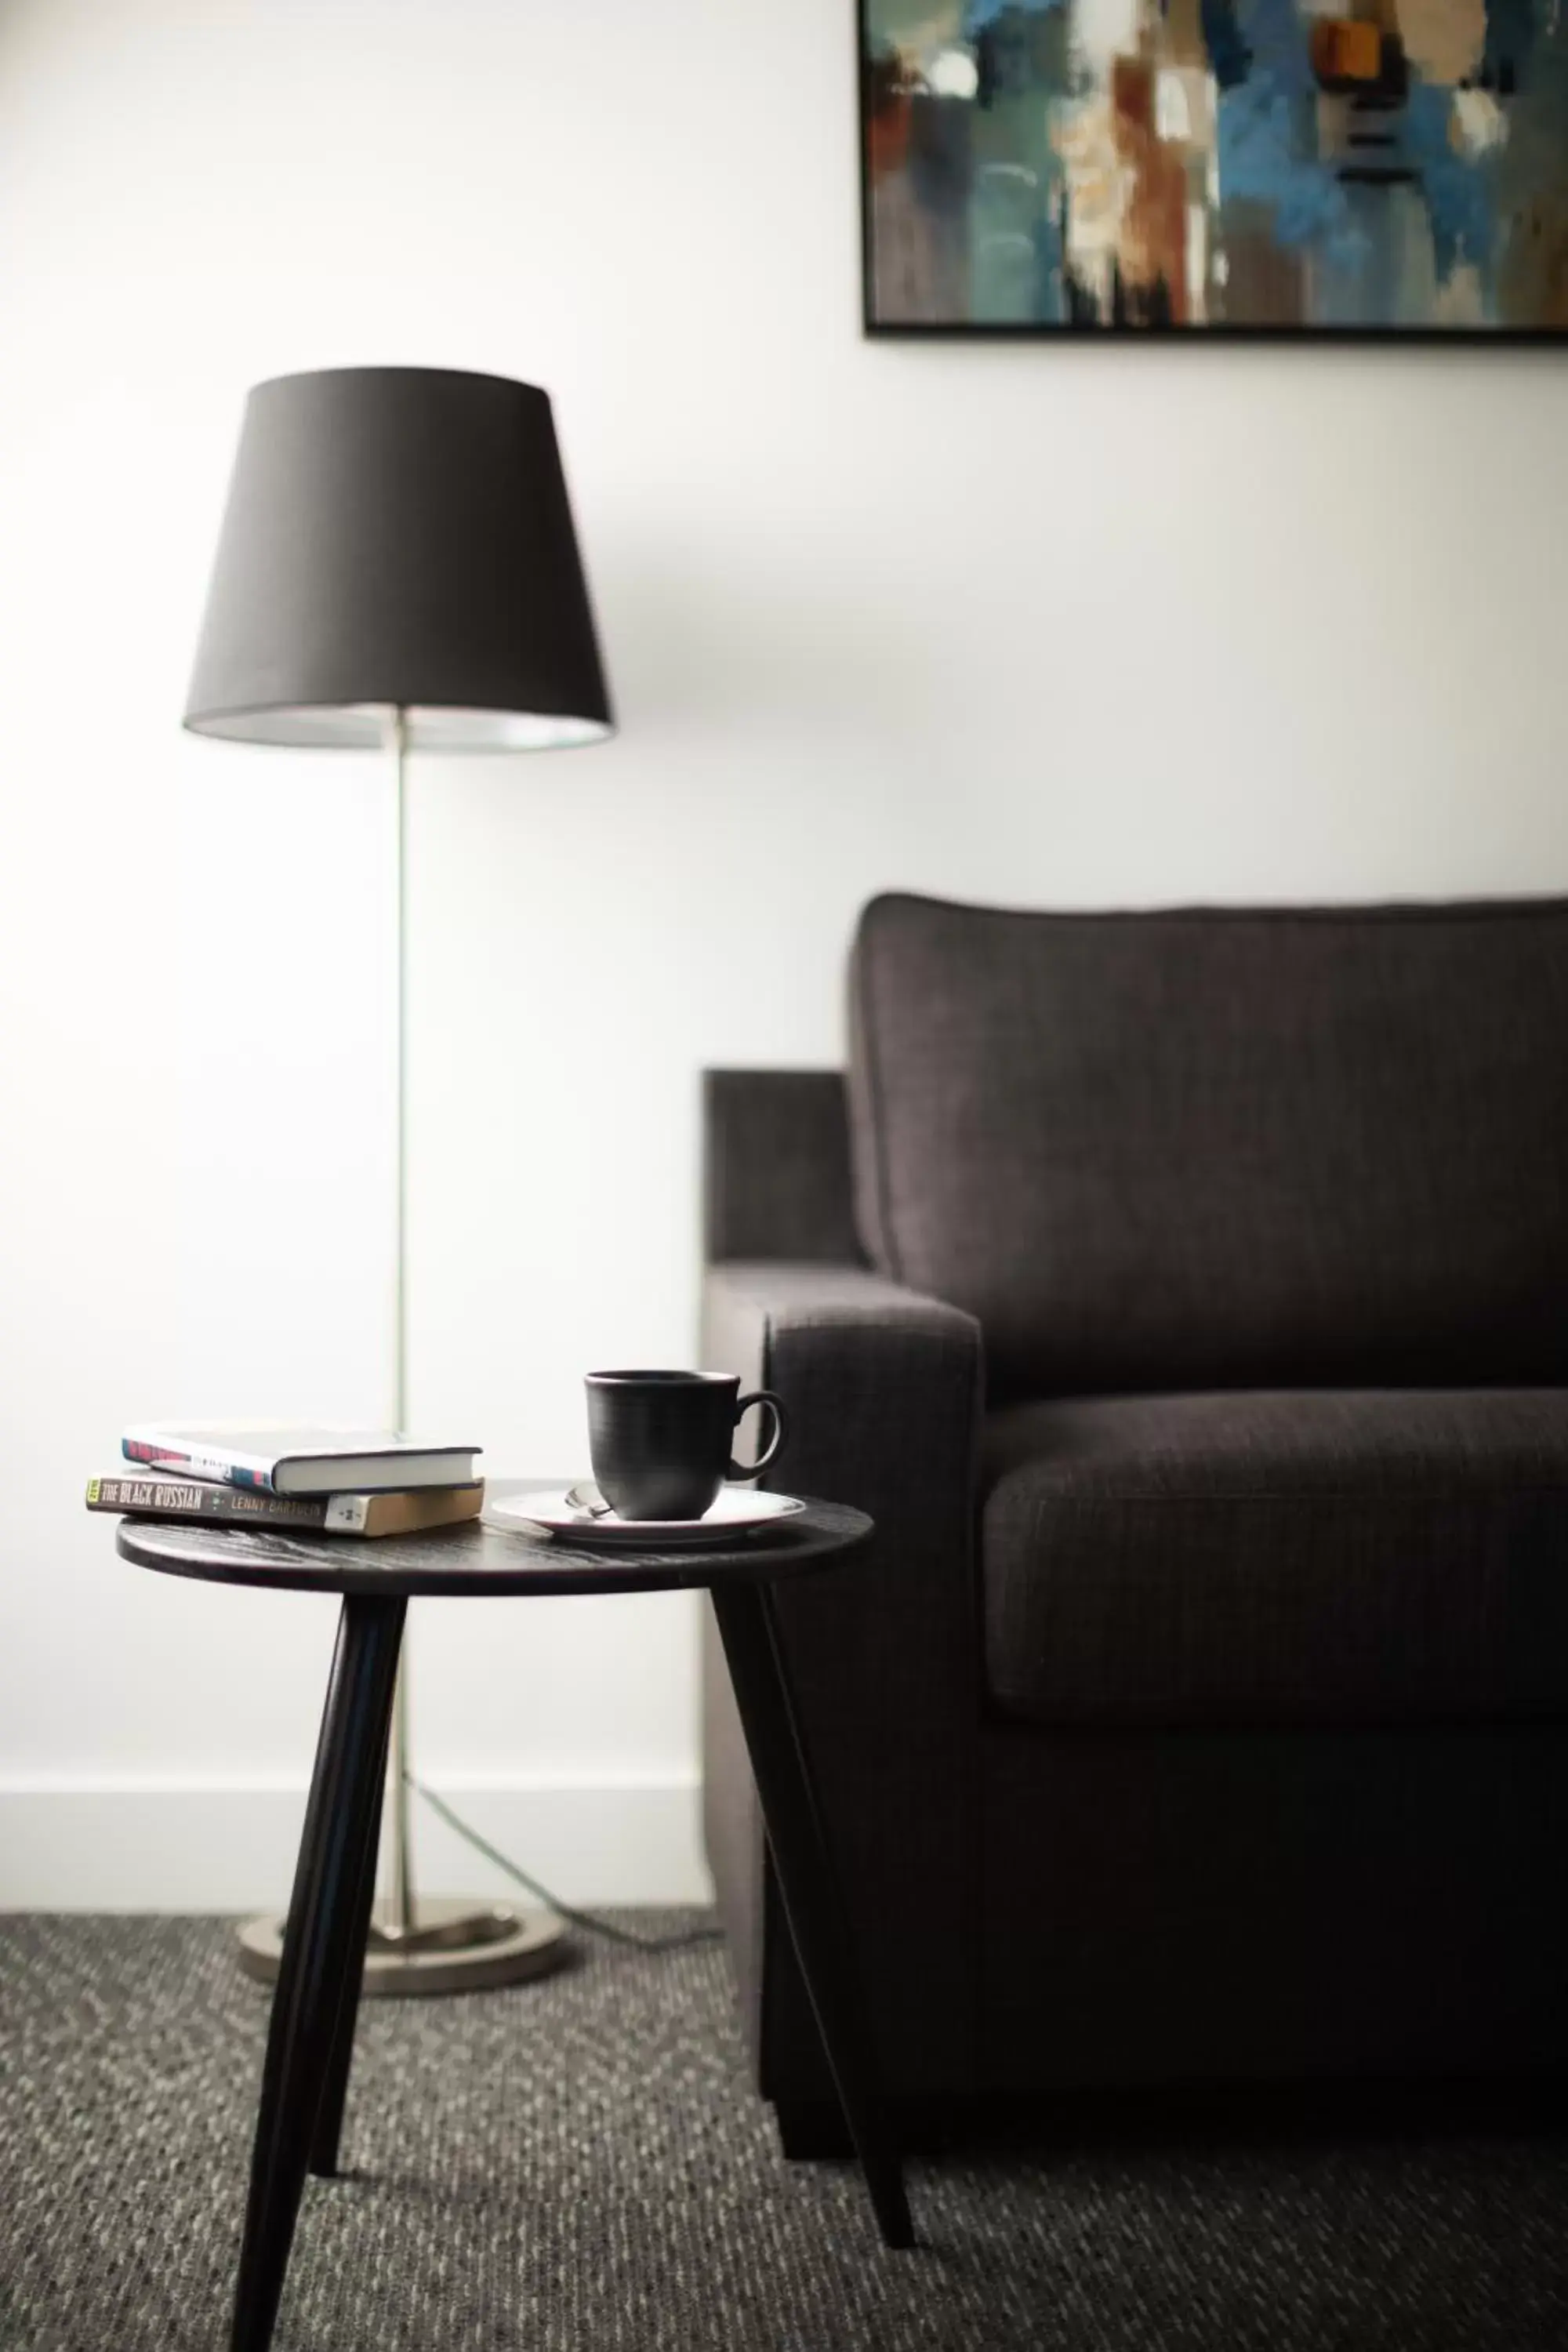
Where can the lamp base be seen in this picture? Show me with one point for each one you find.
(459, 1946)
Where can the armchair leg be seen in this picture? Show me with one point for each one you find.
(810, 2129)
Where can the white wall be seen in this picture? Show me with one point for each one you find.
(1042, 623)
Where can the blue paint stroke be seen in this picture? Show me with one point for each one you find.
(1262, 141)
(1459, 191)
(1229, 55)
(1268, 134)
(1050, 275)
(980, 14)
(1511, 39)
(1277, 33)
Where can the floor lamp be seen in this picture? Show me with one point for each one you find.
(397, 570)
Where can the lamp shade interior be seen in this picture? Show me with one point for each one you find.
(365, 726)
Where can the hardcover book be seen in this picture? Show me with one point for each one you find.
(281, 1461)
(165, 1494)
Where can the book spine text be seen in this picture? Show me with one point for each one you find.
(169, 1496)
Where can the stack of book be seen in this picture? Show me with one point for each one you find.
(326, 1481)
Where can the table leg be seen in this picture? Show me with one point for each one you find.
(335, 2082)
(323, 1945)
(813, 1901)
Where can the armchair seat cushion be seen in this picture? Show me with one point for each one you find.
(1333, 1558)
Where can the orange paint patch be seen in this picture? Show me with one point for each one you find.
(1152, 243)
(1132, 96)
(885, 98)
(1343, 50)
(888, 137)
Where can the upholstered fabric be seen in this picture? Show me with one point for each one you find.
(1222, 1148)
(776, 1167)
(1204, 1906)
(884, 1392)
(1049, 1903)
(1320, 1558)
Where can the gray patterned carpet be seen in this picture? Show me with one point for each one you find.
(579, 2164)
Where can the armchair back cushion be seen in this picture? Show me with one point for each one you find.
(1222, 1147)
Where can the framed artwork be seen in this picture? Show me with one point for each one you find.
(1383, 167)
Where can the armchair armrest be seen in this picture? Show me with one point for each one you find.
(883, 1388)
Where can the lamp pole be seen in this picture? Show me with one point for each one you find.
(459, 1932)
(400, 1921)
(454, 1945)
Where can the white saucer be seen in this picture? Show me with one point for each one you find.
(562, 1511)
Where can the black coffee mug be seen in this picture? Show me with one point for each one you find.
(659, 1442)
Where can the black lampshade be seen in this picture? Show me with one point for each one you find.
(399, 538)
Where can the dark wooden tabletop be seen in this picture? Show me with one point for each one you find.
(479, 1557)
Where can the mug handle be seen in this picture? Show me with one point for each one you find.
(766, 1459)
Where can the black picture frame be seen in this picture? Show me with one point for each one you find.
(1218, 333)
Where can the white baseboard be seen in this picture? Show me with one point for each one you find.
(162, 1847)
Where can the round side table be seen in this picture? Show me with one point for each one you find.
(309, 2042)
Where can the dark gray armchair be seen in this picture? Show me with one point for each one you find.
(1186, 1295)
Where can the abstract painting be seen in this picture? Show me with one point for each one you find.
(1383, 166)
